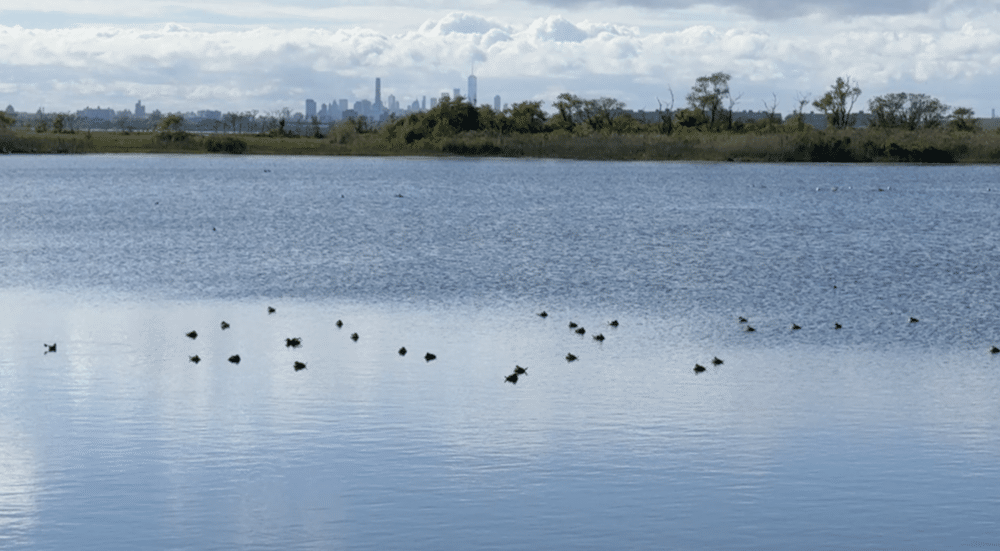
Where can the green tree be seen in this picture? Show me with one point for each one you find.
(963, 119)
(838, 103)
(41, 121)
(568, 108)
(526, 117)
(170, 123)
(908, 111)
(709, 94)
(6, 121)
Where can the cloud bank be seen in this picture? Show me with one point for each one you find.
(177, 67)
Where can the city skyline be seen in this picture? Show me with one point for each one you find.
(182, 55)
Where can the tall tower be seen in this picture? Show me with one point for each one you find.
(378, 94)
(496, 103)
(472, 89)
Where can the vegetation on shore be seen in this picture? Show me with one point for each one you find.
(902, 128)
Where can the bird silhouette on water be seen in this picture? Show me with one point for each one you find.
(570, 357)
(299, 366)
(340, 323)
(741, 319)
(994, 350)
(837, 326)
(518, 370)
(512, 378)
(355, 337)
(235, 358)
(795, 327)
(749, 329)
(224, 326)
(598, 337)
(543, 314)
(717, 361)
(192, 334)
(195, 359)
(572, 325)
(914, 320)
(293, 342)
(49, 347)
(581, 331)
(271, 310)
(613, 323)
(402, 351)
(698, 368)
(428, 357)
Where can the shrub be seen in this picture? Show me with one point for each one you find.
(228, 144)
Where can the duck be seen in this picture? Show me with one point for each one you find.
(749, 329)
(518, 370)
(355, 337)
(512, 378)
(195, 358)
(741, 319)
(570, 357)
(572, 325)
(339, 323)
(402, 351)
(994, 350)
(428, 357)
(717, 361)
(271, 310)
(598, 337)
(613, 323)
(49, 347)
(224, 326)
(299, 366)
(543, 314)
(293, 342)
(235, 358)
(795, 327)
(698, 368)
(581, 331)
(837, 326)
(192, 335)
(914, 320)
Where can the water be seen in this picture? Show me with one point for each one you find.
(879, 435)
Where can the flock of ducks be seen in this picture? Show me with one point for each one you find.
(296, 342)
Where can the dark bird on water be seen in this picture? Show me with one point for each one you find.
(716, 361)
(914, 320)
(795, 327)
(512, 378)
(994, 350)
(543, 314)
(570, 357)
(299, 366)
(837, 326)
(749, 329)
(224, 326)
(572, 325)
(698, 368)
(402, 351)
(581, 331)
(271, 310)
(598, 337)
(195, 358)
(294, 342)
(613, 323)
(340, 323)
(193, 334)
(742, 319)
(354, 337)
(428, 356)
(235, 358)
(49, 347)
(518, 370)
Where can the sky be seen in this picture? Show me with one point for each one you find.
(264, 55)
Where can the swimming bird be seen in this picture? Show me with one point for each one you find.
(795, 327)
(698, 368)
(613, 323)
(235, 358)
(271, 310)
(402, 351)
(49, 347)
(572, 325)
(837, 326)
(192, 334)
(543, 314)
(914, 320)
(428, 357)
(518, 370)
(512, 378)
(749, 329)
(717, 361)
(994, 350)
(598, 337)
(354, 337)
(581, 331)
(570, 357)
(299, 366)
(195, 358)
(224, 326)
(294, 342)
(340, 323)
(741, 319)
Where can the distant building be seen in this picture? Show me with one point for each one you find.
(378, 95)
(458, 92)
(415, 106)
(423, 105)
(324, 114)
(96, 113)
(310, 109)
(140, 110)
(496, 103)
(210, 114)
(434, 101)
(472, 89)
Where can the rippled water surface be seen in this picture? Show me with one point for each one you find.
(883, 434)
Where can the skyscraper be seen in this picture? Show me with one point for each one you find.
(378, 94)
(496, 103)
(310, 109)
(472, 89)
(458, 92)
(140, 110)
